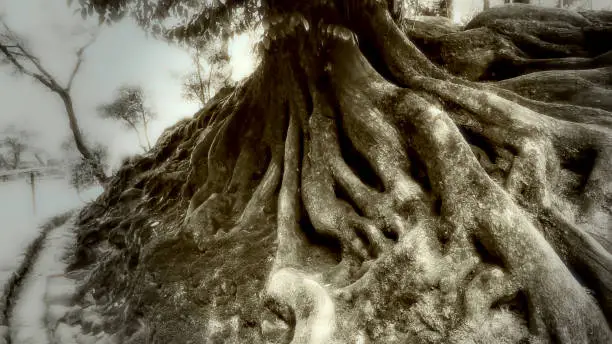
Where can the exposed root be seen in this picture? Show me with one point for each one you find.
(199, 174)
(329, 215)
(266, 188)
(311, 304)
(583, 88)
(380, 143)
(288, 234)
(529, 258)
(248, 165)
(488, 287)
(425, 209)
(580, 251)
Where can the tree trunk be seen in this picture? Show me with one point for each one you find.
(354, 189)
(145, 128)
(80, 143)
(16, 158)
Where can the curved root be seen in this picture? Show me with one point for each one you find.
(530, 259)
(313, 308)
(328, 214)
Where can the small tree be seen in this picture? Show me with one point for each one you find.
(14, 52)
(14, 143)
(130, 109)
(17, 147)
(202, 83)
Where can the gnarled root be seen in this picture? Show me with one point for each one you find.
(312, 307)
(463, 204)
(489, 213)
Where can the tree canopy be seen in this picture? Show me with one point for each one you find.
(180, 19)
(185, 19)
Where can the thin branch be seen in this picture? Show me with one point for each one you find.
(79, 54)
(145, 126)
(36, 62)
(196, 59)
(42, 79)
(16, 53)
(43, 76)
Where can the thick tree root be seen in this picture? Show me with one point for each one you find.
(311, 304)
(542, 274)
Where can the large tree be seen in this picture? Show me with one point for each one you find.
(376, 179)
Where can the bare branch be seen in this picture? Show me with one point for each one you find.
(42, 76)
(79, 54)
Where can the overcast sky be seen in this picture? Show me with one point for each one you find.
(121, 54)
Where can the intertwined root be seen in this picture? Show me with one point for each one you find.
(414, 207)
(530, 256)
(466, 204)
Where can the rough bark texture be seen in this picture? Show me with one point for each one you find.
(373, 183)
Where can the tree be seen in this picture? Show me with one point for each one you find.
(15, 146)
(15, 53)
(129, 107)
(374, 180)
(15, 143)
(202, 84)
